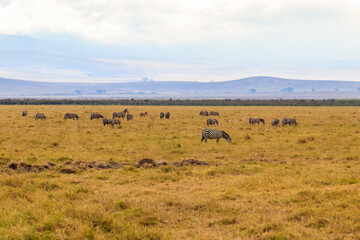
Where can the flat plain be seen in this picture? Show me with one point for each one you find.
(287, 182)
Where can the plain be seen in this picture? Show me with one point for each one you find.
(287, 182)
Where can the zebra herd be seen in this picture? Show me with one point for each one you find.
(166, 115)
(211, 113)
(206, 133)
(106, 121)
(217, 134)
(274, 122)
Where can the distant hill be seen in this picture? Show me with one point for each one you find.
(252, 87)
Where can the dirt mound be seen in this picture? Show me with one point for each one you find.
(78, 166)
(24, 167)
(97, 165)
(149, 163)
(67, 167)
(190, 162)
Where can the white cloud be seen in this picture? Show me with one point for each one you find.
(225, 33)
(162, 21)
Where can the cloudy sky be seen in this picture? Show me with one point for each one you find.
(126, 40)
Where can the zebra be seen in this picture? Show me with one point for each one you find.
(143, 114)
(72, 116)
(120, 114)
(290, 121)
(129, 117)
(40, 116)
(212, 121)
(256, 120)
(201, 113)
(206, 113)
(167, 115)
(24, 113)
(115, 122)
(162, 115)
(275, 122)
(96, 115)
(107, 121)
(214, 133)
(213, 113)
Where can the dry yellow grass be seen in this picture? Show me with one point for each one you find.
(274, 183)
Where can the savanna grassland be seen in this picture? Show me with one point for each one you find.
(289, 182)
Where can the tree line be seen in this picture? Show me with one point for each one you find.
(185, 102)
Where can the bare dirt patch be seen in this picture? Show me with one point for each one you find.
(77, 166)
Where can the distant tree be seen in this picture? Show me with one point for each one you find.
(357, 89)
(100, 91)
(77, 91)
(287, 90)
(313, 89)
(253, 90)
(145, 79)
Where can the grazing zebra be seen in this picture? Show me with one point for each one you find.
(116, 122)
(107, 121)
(290, 121)
(214, 133)
(275, 122)
(24, 113)
(143, 114)
(40, 116)
(256, 120)
(72, 116)
(213, 113)
(162, 115)
(206, 113)
(96, 115)
(129, 117)
(212, 121)
(167, 115)
(120, 114)
(201, 113)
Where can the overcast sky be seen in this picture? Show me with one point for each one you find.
(193, 40)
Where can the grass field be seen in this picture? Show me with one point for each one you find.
(289, 182)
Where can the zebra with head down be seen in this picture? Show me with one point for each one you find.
(143, 114)
(24, 113)
(214, 134)
(212, 121)
(115, 122)
(40, 116)
(290, 121)
(96, 115)
(256, 120)
(107, 121)
(72, 116)
(275, 122)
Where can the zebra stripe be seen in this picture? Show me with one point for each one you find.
(214, 133)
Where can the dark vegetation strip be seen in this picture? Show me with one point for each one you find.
(178, 102)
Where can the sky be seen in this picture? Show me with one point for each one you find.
(218, 40)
